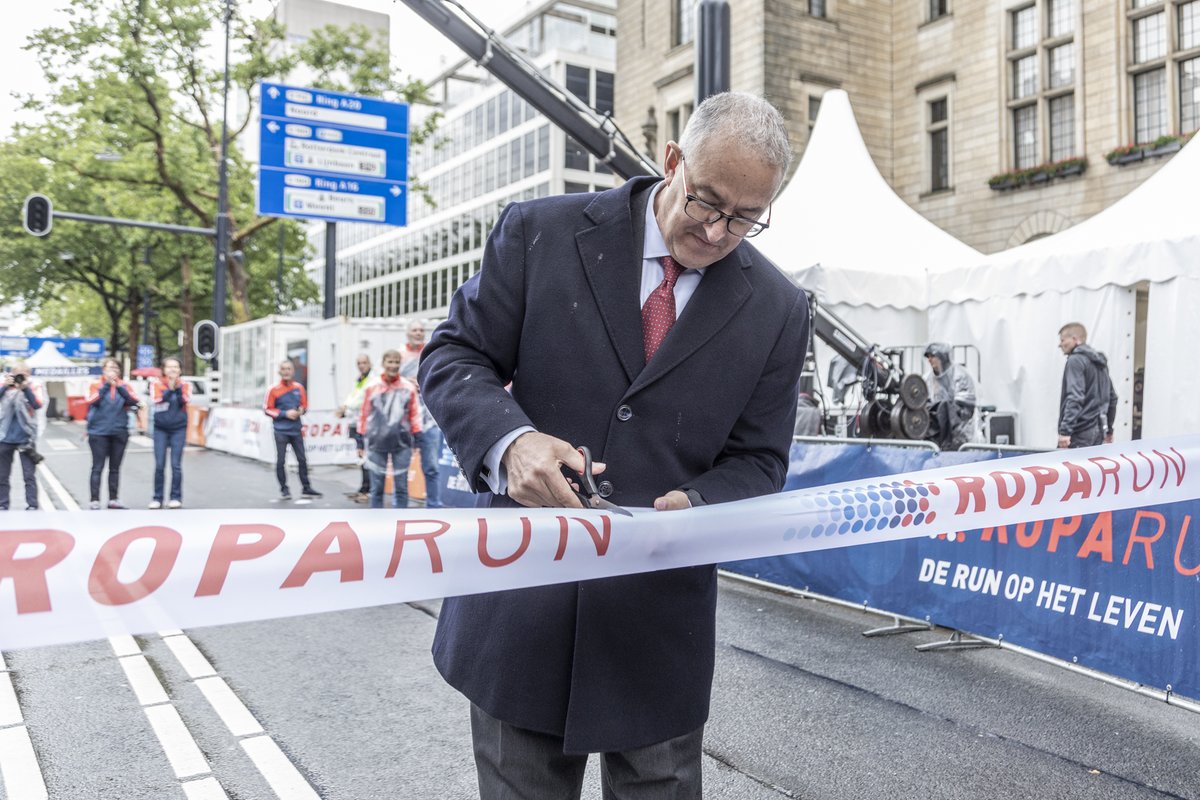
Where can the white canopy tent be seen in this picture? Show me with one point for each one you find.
(1011, 305)
(841, 231)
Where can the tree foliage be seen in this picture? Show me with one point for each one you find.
(132, 129)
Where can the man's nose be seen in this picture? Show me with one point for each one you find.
(715, 231)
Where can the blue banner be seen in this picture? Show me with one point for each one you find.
(1117, 592)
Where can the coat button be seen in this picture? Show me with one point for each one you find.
(605, 488)
(624, 413)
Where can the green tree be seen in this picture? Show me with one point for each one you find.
(131, 82)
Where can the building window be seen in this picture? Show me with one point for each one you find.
(1189, 95)
(1149, 105)
(604, 92)
(1062, 127)
(1164, 51)
(1060, 18)
(1025, 146)
(816, 8)
(814, 108)
(938, 8)
(579, 82)
(684, 29)
(1042, 109)
(939, 141)
(1149, 38)
(1189, 25)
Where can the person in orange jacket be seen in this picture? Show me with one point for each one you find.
(389, 420)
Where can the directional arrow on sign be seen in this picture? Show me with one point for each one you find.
(273, 126)
(273, 92)
(395, 190)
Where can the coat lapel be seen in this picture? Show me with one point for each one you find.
(721, 293)
(611, 254)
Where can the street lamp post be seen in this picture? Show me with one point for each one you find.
(223, 190)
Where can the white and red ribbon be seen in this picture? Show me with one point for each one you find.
(72, 576)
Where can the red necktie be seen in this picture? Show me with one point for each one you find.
(658, 315)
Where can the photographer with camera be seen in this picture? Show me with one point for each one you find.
(19, 402)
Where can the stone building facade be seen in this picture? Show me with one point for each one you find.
(952, 96)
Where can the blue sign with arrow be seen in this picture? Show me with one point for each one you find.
(332, 156)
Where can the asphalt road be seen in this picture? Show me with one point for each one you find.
(347, 706)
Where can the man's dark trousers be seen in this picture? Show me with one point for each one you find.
(282, 440)
(543, 772)
(110, 447)
(27, 470)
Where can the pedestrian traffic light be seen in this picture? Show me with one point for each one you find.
(206, 337)
(38, 214)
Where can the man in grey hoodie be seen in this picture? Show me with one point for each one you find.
(1087, 408)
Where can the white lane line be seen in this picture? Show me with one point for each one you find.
(285, 780)
(177, 742)
(204, 789)
(190, 658)
(146, 686)
(124, 645)
(64, 497)
(10, 710)
(19, 769)
(181, 749)
(61, 444)
(229, 708)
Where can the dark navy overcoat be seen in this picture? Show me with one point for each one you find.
(623, 662)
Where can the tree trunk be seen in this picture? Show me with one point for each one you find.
(134, 303)
(188, 314)
(238, 286)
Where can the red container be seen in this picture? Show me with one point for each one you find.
(77, 408)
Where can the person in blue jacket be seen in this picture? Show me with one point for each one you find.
(169, 397)
(18, 431)
(110, 400)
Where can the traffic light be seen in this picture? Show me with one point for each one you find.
(206, 337)
(38, 214)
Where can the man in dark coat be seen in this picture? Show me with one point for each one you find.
(1087, 407)
(568, 307)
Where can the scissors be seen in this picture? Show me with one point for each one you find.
(588, 494)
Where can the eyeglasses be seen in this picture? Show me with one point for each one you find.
(697, 209)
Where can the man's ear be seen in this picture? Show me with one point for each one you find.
(671, 160)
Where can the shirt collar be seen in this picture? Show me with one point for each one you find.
(654, 246)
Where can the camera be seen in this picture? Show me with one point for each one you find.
(18, 379)
(33, 455)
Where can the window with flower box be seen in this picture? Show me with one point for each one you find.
(1041, 97)
(1164, 68)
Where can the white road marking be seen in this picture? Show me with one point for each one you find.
(146, 686)
(61, 444)
(19, 766)
(64, 497)
(124, 645)
(204, 789)
(285, 780)
(191, 659)
(10, 710)
(181, 749)
(229, 708)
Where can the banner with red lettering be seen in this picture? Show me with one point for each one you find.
(68, 576)
(248, 432)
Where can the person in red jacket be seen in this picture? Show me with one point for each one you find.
(389, 420)
(286, 402)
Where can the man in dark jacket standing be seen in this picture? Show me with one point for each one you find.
(611, 314)
(286, 402)
(1087, 407)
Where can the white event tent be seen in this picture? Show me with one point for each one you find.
(842, 233)
(1011, 305)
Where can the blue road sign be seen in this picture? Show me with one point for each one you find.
(316, 196)
(343, 152)
(145, 356)
(332, 156)
(75, 347)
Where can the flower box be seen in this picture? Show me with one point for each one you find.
(1165, 149)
